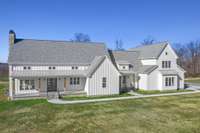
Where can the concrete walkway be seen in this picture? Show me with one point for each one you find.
(59, 101)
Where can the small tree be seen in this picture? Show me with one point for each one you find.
(119, 44)
(148, 41)
(81, 37)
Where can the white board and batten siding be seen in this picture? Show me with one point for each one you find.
(20, 68)
(94, 83)
(149, 62)
(143, 81)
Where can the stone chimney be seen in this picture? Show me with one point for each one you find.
(12, 38)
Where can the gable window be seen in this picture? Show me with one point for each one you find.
(169, 64)
(163, 64)
(166, 53)
(75, 81)
(166, 64)
(27, 85)
(104, 82)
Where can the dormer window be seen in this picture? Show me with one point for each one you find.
(52, 68)
(74, 67)
(27, 68)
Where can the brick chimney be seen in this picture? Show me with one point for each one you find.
(12, 38)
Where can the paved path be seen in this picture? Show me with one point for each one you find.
(59, 101)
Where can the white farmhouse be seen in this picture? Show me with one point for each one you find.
(42, 68)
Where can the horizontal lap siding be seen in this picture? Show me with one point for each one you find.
(106, 69)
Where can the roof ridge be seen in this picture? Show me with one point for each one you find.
(124, 51)
(95, 43)
(157, 43)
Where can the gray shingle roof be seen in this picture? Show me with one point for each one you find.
(127, 57)
(169, 72)
(48, 73)
(94, 65)
(150, 51)
(146, 69)
(43, 52)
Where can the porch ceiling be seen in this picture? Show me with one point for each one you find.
(127, 72)
(48, 73)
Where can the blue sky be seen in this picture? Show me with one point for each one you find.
(103, 20)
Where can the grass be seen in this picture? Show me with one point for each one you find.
(71, 98)
(173, 114)
(3, 78)
(147, 92)
(193, 80)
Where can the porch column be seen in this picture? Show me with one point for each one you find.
(136, 81)
(11, 87)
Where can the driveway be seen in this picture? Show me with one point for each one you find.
(193, 86)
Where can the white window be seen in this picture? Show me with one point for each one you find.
(27, 85)
(75, 81)
(52, 67)
(74, 67)
(104, 82)
(169, 81)
(27, 67)
(166, 64)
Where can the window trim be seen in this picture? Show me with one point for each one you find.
(104, 82)
(27, 85)
(169, 81)
(74, 81)
(166, 64)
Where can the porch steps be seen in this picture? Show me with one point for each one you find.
(27, 96)
(52, 95)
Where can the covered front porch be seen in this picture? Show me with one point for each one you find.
(128, 81)
(29, 85)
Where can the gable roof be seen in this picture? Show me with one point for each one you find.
(150, 51)
(41, 52)
(147, 69)
(127, 57)
(94, 65)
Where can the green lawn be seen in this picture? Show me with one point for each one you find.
(3, 78)
(144, 92)
(71, 98)
(193, 80)
(173, 114)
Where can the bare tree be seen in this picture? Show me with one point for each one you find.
(81, 37)
(182, 53)
(119, 44)
(194, 54)
(148, 41)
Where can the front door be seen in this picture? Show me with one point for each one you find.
(51, 84)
